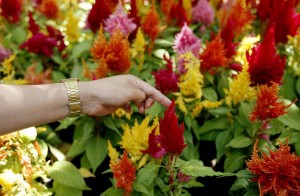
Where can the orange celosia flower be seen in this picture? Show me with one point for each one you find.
(267, 104)
(50, 8)
(277, 173)
(112, 56)
(214, 55)
(124, 173)
(38, 78)
(150, 25)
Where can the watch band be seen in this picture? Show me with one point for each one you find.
(73, 96)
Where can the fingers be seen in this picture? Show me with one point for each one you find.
(150, 92)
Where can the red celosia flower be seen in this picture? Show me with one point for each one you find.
(238, 17)
(267, 104)
(11, 9)
(214, 56)
(33, 27)
(49, 8)
(170, 139)
(38, 78)
(277, 173)
(166, 79)
(58, 36)
(112, 56)
(150, 25)
(124, 173)
(100, 11)
(40, 44)
(178, 14)
(133, 13)
(183, 177)
(265, 66)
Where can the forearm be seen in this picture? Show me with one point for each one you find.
(31, 105)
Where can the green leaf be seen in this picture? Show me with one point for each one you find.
(222, 84)
(61, 190)
(244, 111)
(43, 146)
(19, 35)
(57, 153)
(193, 183)
(155, 110)
(65, 173)
(84, 162)
(298, 86)
(96, 151)
(78, 147)
(240, 141)
(291, 119)
(195, 168)
(147, 174)
(221, 141)
(80, 48)
(65, 123)
(57, 76)
(112, 191)
(215, 123)
(287, 89)
(235, 160)
(222, 110)
(108, 122)
(149, 191)
(210, 94)
(188, 121)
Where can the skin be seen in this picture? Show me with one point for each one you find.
(31, 105)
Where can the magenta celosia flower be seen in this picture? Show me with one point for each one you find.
(100, 11)
(166, 79)
(265, 66)
(11, 9)
(4, 53)
(33, 27)
(203, 12)
(170, 139)
(119, 20)
(40, 44)
(186, 41)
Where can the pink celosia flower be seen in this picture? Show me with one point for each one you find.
(170, 139)
(265, 66)
(166, 79)
(186, 41)
(11, 9)
(203, 12)
(119, 20)
(4, 53)
(183, 177)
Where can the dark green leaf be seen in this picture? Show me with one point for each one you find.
(240, 142)
(222, 110)
(287, 88)
(221, 141)
(107, 120)
(149, 191)
(112, 191)
(298, 86)
(210, 94)
(215, 123)
(65, 123)
(96, 151)
(65, 173)
(147, 174)
(234, 161)
(193, 183)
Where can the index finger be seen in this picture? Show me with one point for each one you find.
(151, 92)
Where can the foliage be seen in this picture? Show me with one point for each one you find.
(233, 74)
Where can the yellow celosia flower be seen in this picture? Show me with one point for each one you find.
(135, 138)
(211, 104)
(187, 5)
(112, 153)
(293, 49)
(192, 81)
(197, 109)
(72, 27)
(246, 45)
(138, 48)
(7, 65)
(121, 113)
(239, 88)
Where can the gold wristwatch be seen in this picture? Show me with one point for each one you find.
(73, 96)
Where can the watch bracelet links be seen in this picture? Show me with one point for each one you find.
(73, 96)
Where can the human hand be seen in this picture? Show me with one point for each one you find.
(104, 96)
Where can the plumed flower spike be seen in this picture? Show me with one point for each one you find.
(11, 9)
(124, 173)
(50, 8)
(277, 173)
(214, 56)
(166, 79)
(186, 41)
(170, 138)
(267, 104)
(265, 66)
(203, 13)
(119, 20)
